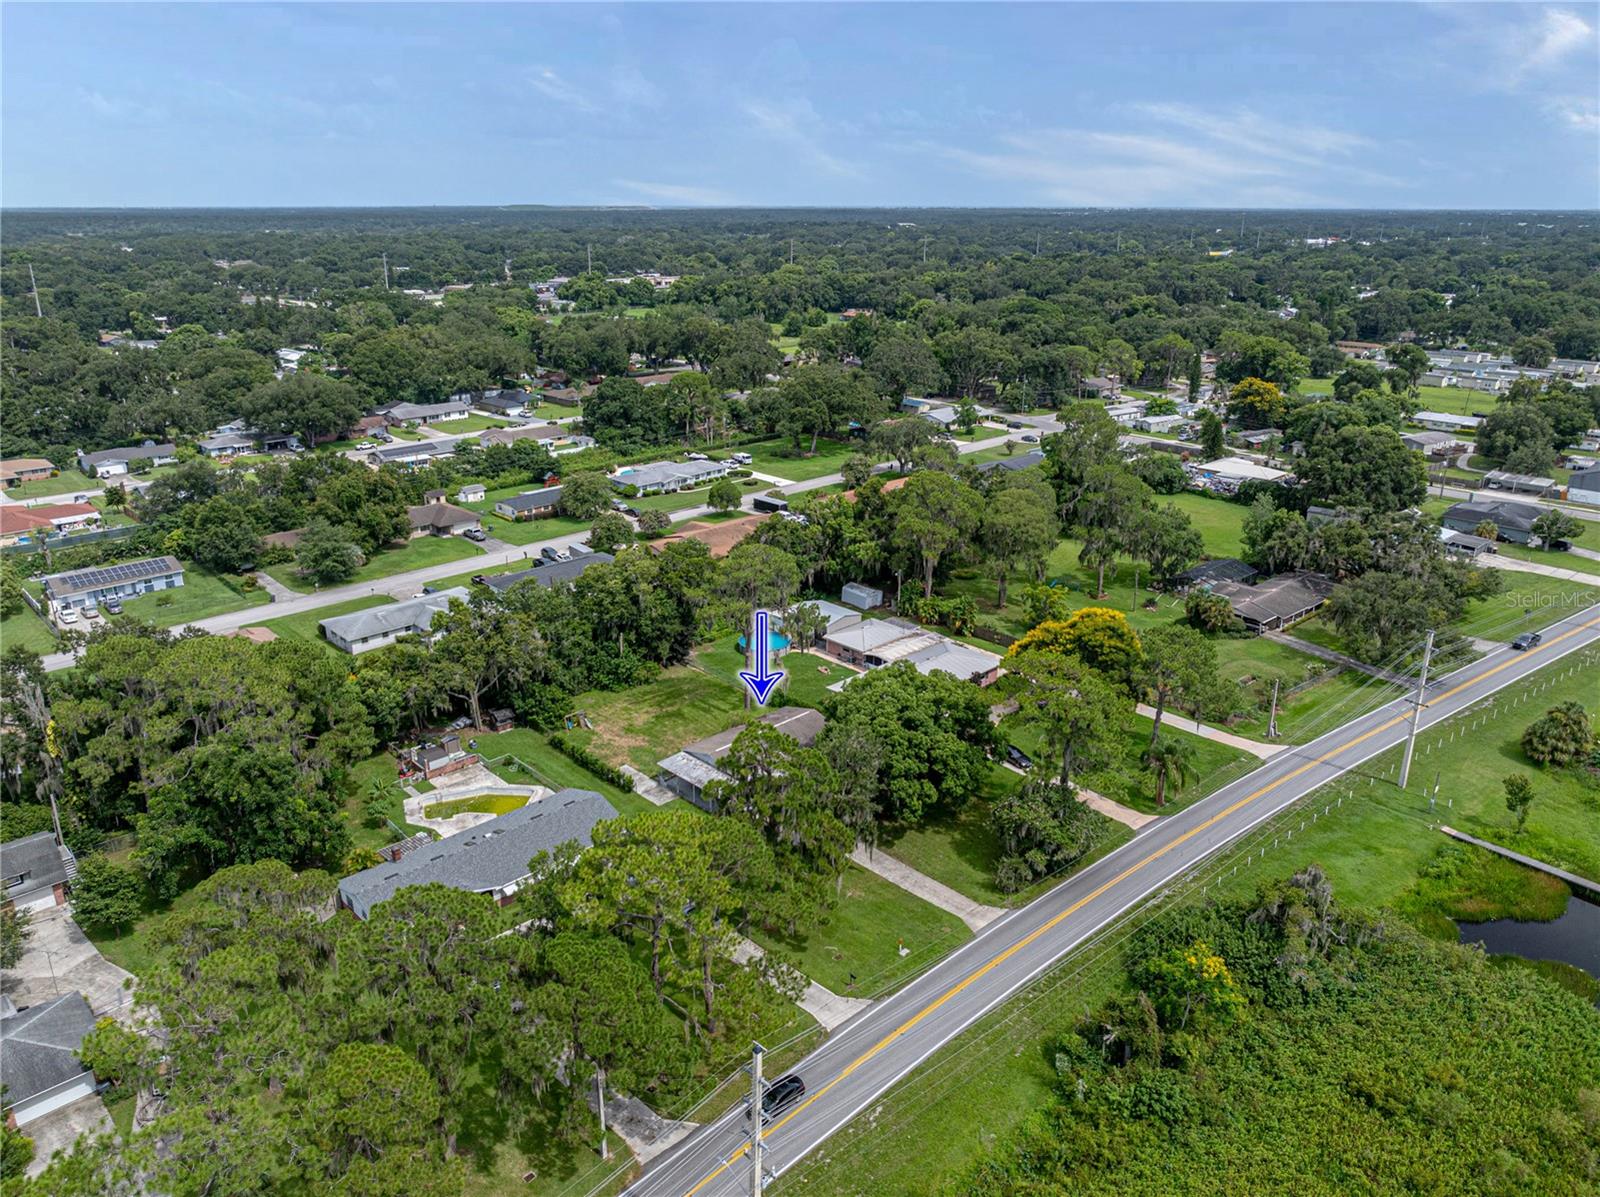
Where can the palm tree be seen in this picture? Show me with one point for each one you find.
(1170, 761)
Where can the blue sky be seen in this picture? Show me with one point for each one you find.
(1260, 105)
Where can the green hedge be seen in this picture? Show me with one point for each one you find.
(604, 770)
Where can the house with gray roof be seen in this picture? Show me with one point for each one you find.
(78, 588)
(492, 858)
(438, 518)
(110, 463)
(36, 871)
(1583, 486)
(1278, 601)
(548, 573)
(661, 477)
(530, 504)
(1513, 521)
(426, 413)
(412, 453)
(1020, 461)
(689, 772)
(363, 631)
(39, 1065)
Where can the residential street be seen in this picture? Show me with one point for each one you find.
(865, 1057)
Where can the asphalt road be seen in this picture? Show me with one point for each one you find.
(406, 584)
(868, 1054)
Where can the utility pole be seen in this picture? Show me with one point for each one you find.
(925, 251)
(756, 1052)
(1416, 711)
(791, 251)
(589, 249)
(508, 270)
(600, 1093)
(1272, 719)
(34, 284)
(385, 271)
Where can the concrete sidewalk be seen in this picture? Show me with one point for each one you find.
(974, 914)
(1207, 732)
(827, 1007)
(1538, 567)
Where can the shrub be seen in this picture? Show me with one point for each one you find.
(604, 770)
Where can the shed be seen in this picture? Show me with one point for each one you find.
(857, 594)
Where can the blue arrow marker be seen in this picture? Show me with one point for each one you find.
(765, 677)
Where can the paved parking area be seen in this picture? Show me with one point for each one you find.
(59, 1129)
(58, 959)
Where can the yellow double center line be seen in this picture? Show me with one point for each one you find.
(1000, 958)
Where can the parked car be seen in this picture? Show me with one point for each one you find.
(780, 1095)
(1029, 439)
(618, 505)
(1017, 758)
(91, 613)
(1015, 424)
(113, 606)
(696, 456)
(458, 724)
(477, 534)
(367, 445)
(551, 553)
(67, 615)
(1526, 641)
(742, 458)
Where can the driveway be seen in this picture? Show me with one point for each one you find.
(59, 1129)
(58, 959)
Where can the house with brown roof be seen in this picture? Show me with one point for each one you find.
(24, 524)
(14, 471)
(439, 518)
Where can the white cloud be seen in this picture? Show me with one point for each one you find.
(1183, 155)
(550, 85)
(680, 193)
(121, 108)
(1548, 42)
(795, 124)
(1579, 114)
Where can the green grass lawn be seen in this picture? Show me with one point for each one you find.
(532, 531)
(807, 676)
(27, 630)
(1572, 561)
(998, 453)
(304, 626)
(414, 554)
(1528, 602)
(547, 767)
(960, 849)
(67, 482)
(1219, 521)
(1373, 848)
(1128, 781)
(472, 423)
(854, 949)
(404, 434)
(554, 411)
(358, 783)
(675, 501)
(643, 724)
(201, 595)
(1458, 401)
(488, 804)
(777, 457)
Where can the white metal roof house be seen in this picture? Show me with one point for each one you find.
(363, 631)
(858, 594)
(39, 1065)
(689, 772)
(1443, 421)
(426, 413)
(492, 858)
(529, 504)
(1239, 469)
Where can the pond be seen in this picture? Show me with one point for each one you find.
(1574, 938)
